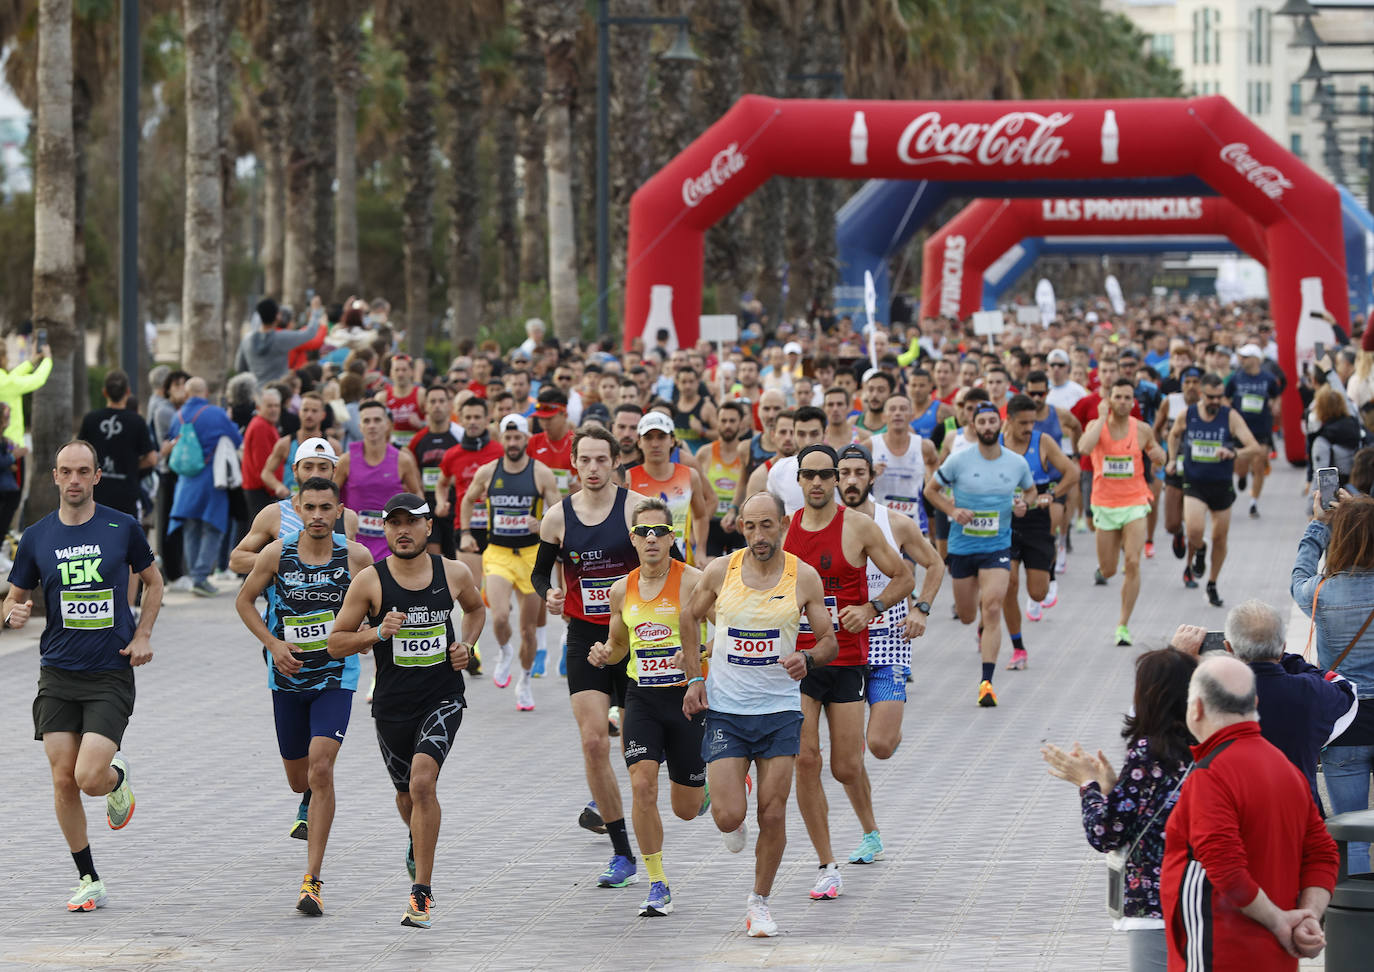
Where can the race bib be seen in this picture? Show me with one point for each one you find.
(758, 646)
(370, 523)
(985, 523)
(1252, 403)
(596, 595)
(429, 478)
(832, 608)
(479, 517)
(1205, 451)
(308, 632)
(401, 439)
(723, 507)
(656, 668)
(906, 505)
(511, 524)
(420, 647)
(85, 610)
(563, 478)
(1118, 467)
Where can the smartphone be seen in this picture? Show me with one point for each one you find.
(1328, 481)
(41, 336)
(1318, 350)
(1213, 641)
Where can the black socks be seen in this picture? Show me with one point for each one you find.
(988, 669)
(84, 864)
(119, 774)
(620, 840)
(305, 798)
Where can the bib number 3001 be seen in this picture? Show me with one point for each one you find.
(752, 647)
(87, 610)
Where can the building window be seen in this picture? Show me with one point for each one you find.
(1362, 153)
(1295, 99)
(1295, 144)
(1259, 37)
(1364, 99)
(1162, 47)
(1197, 37)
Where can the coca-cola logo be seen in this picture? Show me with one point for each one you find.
(1267, 179)
(1017, 138)
(726, 163)
(952, 276)
(652, 631)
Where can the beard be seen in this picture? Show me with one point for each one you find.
(989, 438)
(408, 554)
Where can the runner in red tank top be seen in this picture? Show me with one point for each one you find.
(839, 543)
(402, 399)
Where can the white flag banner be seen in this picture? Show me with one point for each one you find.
(1115, 295)
(871, 307)
(988, 322)
(1044, 299)
(1027, 315)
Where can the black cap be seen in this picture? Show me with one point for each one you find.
(818, 447)
(855, 451)
(409, 503)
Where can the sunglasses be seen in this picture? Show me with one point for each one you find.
(1058, 364)
(822, 474)
(643, 530)
(1037, 394)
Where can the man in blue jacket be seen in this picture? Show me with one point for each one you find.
(197, 506)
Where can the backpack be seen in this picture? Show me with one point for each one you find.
(187, 458)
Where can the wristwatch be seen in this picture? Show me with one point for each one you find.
(810, 662)
(877, 607)
(923, 607)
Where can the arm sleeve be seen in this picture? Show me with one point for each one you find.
(140, 554)
(241, 360)
(1215, 838)
(1320, 857)
(1302, 583)
(542, 575)
(290, 340)
(1112, 820)
(27, 383)
(24, 573)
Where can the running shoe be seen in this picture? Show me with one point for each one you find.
(1254, 511)
(613, 720)
(310, 902)
(590, 819)
(1061, 561)
(541, 656)
(300, 827)
(1019, 660)
(1212, 597)
(1123, 636)
(1080, 525)
(500, 675)
(1068, 541)
(88, 895)
(1180, 546)
(417, 910)
(474, 661)
(1188, 581)
(829, 885)
(736, 839)
(1149, 550)
(987, 698)
(659, 902)
(204, 589)
(706, 800)
(1098, 579)
(1052, 597)
(524, 693)
(870, 849)
(1240, 484)
(758, 921)
(620, 872)
(1034, 611)
(1200, 561)
(119, 804)
(410, 858)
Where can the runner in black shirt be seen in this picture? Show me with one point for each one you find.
(123, 445)
(429, 446)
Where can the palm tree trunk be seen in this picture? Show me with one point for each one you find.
(417, 141)
(347, 46)
(272, 141)
(558, 23)
(54, 253)
(202, 285)
(530, 128)
(463, 92)
(322, 131)
(290, 65)
(507, 206)
(81, 134)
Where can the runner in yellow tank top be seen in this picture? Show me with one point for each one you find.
(723, 463)
(645, 608)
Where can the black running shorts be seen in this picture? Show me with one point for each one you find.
(432, 735)
(655, 728)
(583, 676)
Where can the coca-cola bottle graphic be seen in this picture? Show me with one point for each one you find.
(660, 316)
(1313, 327)
(858, 140)
(1110, 138)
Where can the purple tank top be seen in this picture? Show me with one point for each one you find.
(366, 492)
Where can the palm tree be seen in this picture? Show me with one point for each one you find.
(202, 284)
(559, 21)
(266, 20)
(323, 124)
(717, 26)
(463, 93)
(411, 30)
(530, 141)
(630, 129)
(346, 45)
(500, 90)
(54, 253)
(290, 65)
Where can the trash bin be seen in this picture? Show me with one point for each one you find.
(1350, 916)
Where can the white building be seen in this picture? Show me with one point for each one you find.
(1239, 48)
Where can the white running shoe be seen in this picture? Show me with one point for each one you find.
(524, 693)
(182, 585)
(737, 838)
(829, 885)
(1051, 596)
(500, 675)
(758, 921)
(1033, 611)
(1061, 561)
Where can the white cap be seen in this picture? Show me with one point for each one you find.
(517, 422)
(792, 347)
(1058, 354)
(1090, 317)
(870, 373)
(316, 448)
(1251, 351)
(656, 422)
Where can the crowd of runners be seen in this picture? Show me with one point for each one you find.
(738, 541)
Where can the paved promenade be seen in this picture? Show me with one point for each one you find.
(986, 864)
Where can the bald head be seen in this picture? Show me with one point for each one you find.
(1221, 693)
(196, 388)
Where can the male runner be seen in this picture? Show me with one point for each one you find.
(722, 463)
(625, 428)
(429, 446)
(1188, 382)
(513, 487)
(1206, 430)
(878, 385)
(1116, 443)
(1060, 425)
(842, 543)
(402, 400)
(929, 411)
(753, 701)
(889, 636)
(1032, 535)
(552, 446)
(374, 470)
(780, 478)
(311, 416)
(314, 457)
(1252, 391)
(839, 430)
(762, 447)
(305, 577)
(82, 554)
(984, 483)
(407, 602)
(645, 605)
(900, 460)
(681, 486)
(584, 533)
(946, 381)
(456, 469)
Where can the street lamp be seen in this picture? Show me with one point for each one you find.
(680, 51)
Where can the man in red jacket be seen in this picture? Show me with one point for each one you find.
(1248, 865)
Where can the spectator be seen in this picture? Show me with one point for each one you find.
(124, 446)
(169, 546)
(534, 336)
(10, 453)
(1127, 810)
(266, 351)
(258, 440)
(351, 389)
(197, 505)
(1337, 598)
(1337, 435)
(14, 385)
(1362, 472)
(1361, 383)
(1244, 845)
(299, 356)
(240, 394)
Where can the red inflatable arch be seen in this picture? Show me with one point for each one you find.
(994, 141)
(960, 252)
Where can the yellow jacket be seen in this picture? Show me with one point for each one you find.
(13, 386)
